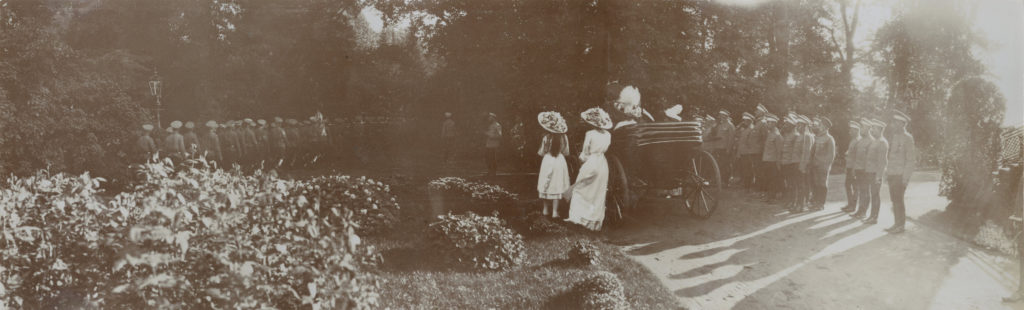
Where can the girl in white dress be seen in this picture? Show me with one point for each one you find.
(588, 194)
(553, 178)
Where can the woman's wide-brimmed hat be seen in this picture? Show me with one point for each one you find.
(552, 121)
(597, 117)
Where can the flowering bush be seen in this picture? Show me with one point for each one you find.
(194, 238)
(478, 241)
(584, 252)
(449, 184)
(375, 208)
(602, 291)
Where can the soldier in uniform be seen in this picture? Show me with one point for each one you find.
(249, 142)
(278, 140)
(901, 160)
(293, 146)
(759, 136)
(876, 159)
(822, 155)
(773, 181)
(860, 168)
(790, 160)
(851, 176)
(723, 136)
(191, 140)
(145, 144)
(745, 150)
(807, 143)
(263, 138)
(707, 135)
(229, 150)
(209, 144)
(174, 144)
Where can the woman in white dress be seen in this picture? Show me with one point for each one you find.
(553, 178)
(588, 194)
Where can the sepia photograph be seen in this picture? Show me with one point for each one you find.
(512, 154)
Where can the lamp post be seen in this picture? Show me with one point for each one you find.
(155, 87)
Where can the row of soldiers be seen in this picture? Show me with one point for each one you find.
(244, 142)
(793, 159)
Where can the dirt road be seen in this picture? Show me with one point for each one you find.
(751, 255)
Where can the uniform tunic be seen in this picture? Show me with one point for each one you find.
(806, 144)
(876, 158)
(861, 154)
(210, 146)
(851, 154)
(772, 147)
(588, 196)
(824, 152)
(146, 146)
(791, 148)
(723, 136)
(191, 142)
(902, 155)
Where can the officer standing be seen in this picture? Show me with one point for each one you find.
(227, 140)
(790, 160)
(773, 181)
(145, 144)
(759, 136)
(822, 155)
(210, 144)
(263, 138)
(707, 135)
(191, 140)
(806, 145)
(851, 176)
(745, 149)
(491, 144)
(901, 161)
(860, 168)
(175, 143)
(278, 141)
(724, 134)
(251, 145)
(875, 164)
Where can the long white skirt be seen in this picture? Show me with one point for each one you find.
(587, 205)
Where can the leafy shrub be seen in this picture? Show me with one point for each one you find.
(479, 192)
(375, 208)
(537, 223)
(194, 238)
(971, 147)
(584, 252)
(602, 291)
(477, 241)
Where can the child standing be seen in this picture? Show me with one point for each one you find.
(553, 178)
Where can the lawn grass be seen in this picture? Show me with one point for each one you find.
(414, 276)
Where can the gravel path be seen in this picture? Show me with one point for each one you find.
(750, 255)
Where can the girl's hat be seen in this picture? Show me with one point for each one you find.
(552, 121)
(597, 117)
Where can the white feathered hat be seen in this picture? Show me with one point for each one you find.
(552, 121)
(597, 117)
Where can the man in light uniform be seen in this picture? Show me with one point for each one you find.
(191, 140)
(860, 168)
(822, 155)
(746, 148)
(723, 136)
(774, 181)
(209, 144)
(851, 175)
(901, 160)
(145, 144)
(876, 160)
(790, 160)
(760, 136)
(174, 144)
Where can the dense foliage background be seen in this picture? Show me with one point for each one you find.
(73, 74)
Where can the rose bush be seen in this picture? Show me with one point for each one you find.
(375, 208)
(477, 241)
